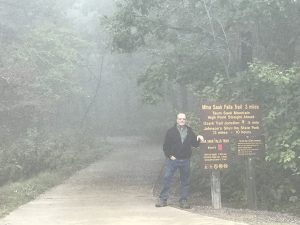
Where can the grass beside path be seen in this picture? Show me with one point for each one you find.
(15, 194)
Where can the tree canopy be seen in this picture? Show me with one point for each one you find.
(219, 50)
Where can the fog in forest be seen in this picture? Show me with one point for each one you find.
(73, 72)
(59, 71)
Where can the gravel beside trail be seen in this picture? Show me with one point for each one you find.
(248, 216)
(202, 207)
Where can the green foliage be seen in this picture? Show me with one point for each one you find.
(193, 42)
(197, 44)
(276, 188)
(12, 195)
(282, 113)
(153, 81)
(129, 27)
(41, 84)
(178, 38)
(39, 161)
(37, 152)
(277, 91)
(18, 193)
(53, 54)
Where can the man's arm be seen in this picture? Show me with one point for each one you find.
(196, 139)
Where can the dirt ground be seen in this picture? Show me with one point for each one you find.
(116, 190)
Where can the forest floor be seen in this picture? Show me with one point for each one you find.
(118, 189)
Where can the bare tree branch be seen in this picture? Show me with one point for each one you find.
(95, 94)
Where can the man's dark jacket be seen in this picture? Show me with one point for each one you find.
(174, 147)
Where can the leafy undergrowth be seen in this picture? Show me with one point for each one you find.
(13, 195)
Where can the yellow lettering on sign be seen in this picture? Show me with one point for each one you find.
(217, 107)
(206, 107)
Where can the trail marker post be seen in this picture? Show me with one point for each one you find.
(220, 123)
(216, 189)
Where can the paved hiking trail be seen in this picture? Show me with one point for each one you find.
(117, 190)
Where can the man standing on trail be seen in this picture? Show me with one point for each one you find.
(177, 148)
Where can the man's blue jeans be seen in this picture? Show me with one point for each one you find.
(184, 170)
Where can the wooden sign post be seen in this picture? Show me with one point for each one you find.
(251, 184)
(221, 122)
(215, 183)
(248, 148)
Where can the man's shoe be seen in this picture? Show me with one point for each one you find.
(161, 203)
(184, 204)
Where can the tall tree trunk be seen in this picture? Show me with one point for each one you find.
(184, 98)
(246, 49)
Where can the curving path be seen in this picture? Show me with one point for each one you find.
(116, 190)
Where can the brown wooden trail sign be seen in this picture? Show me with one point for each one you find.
(221, 122)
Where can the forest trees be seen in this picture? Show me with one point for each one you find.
(225, 51)
(40, 89)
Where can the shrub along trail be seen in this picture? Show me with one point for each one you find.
(115, 190)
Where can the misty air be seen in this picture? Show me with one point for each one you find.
(143, 112)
